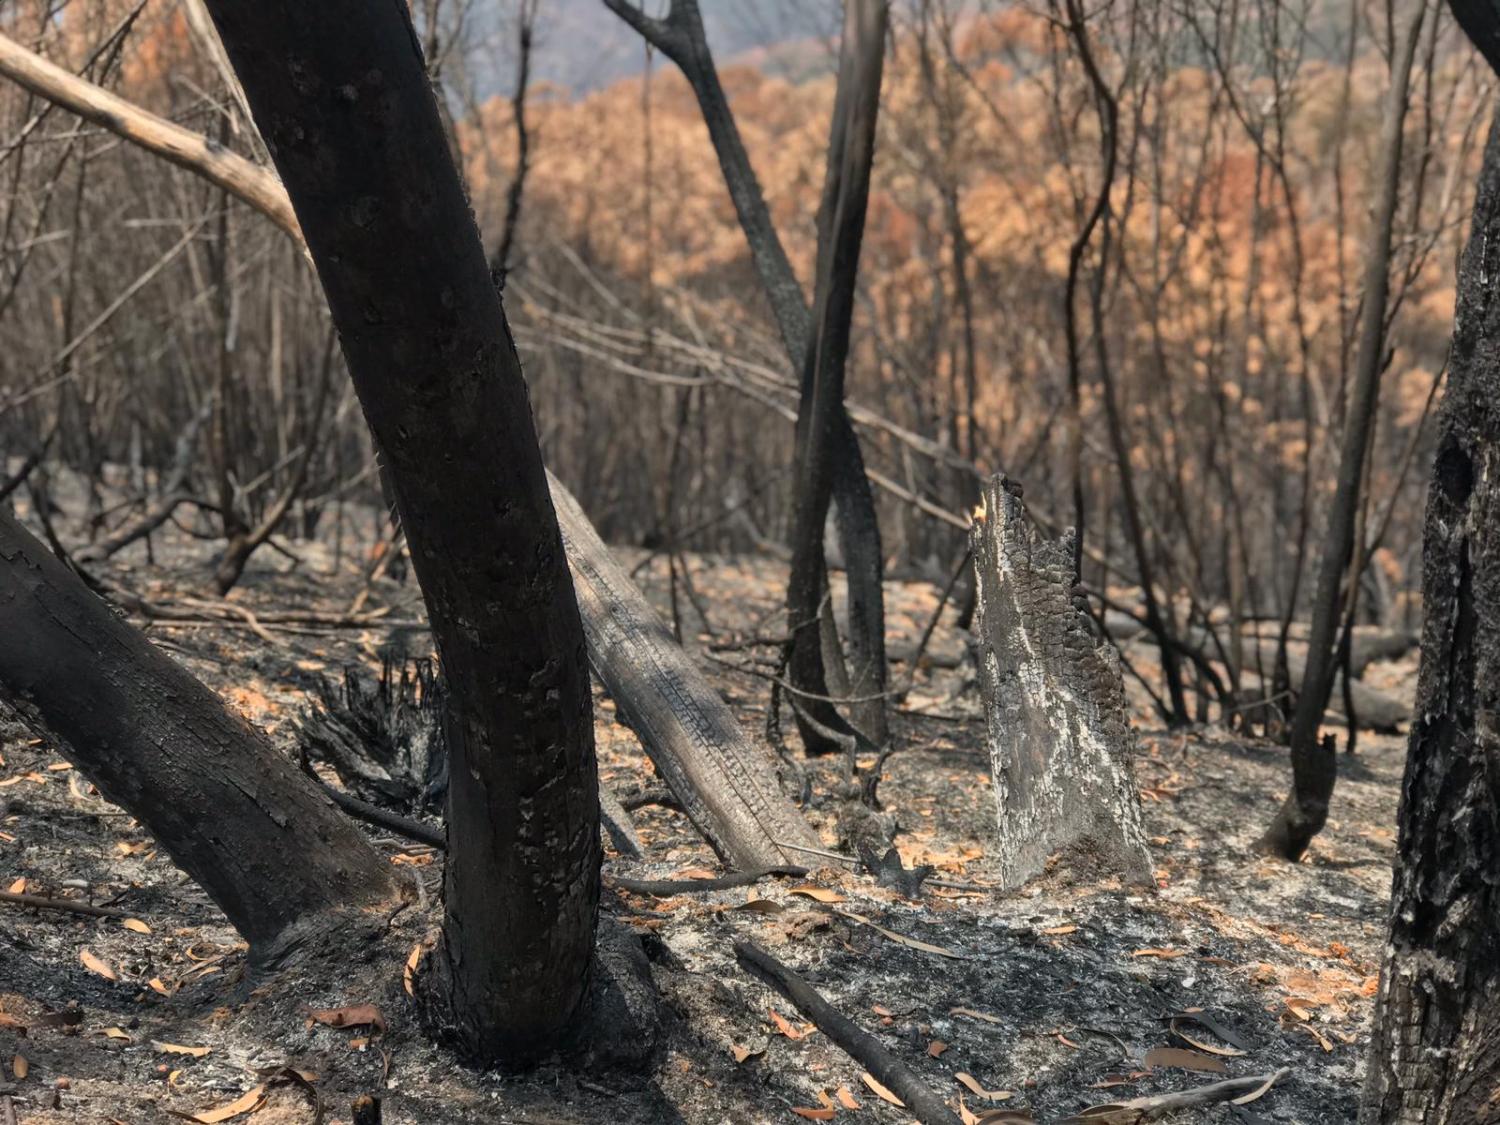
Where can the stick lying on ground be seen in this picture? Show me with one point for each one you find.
(862, 1047)
(1149, 1108)
(41, 902)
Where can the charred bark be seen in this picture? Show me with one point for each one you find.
(680, 36)
(1054, 700)
(1435, 1055)
(1305, 809)
(341, 97)
(821, 418)
(224, 805)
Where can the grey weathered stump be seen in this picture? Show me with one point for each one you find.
(1060, 742)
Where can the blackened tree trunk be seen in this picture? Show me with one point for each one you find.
(214, 793)
(341, 97)
(841, 225)
(1314, 769)
(1435, 1055)
(681, 37)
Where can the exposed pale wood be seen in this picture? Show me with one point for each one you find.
(1060, 740)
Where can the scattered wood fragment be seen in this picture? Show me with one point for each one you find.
(1149, 1108)
(924, 1102)
(42, 902)
(665, 888)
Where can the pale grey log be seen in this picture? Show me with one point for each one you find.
(727, 784)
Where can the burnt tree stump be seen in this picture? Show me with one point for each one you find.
(1059, 739)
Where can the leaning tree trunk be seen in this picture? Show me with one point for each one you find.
(681, 37)
(214, 793)
(682, 720)
(342, 100)
(820, 414)
(1435, 1055)
(1054, 701)
(726, 784)
(1314, 768)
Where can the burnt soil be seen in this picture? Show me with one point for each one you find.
(1049, 999)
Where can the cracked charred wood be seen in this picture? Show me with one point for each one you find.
(219, 799)
(1059, 738)
(727, 785)
(1435, 1054)
(340, 93)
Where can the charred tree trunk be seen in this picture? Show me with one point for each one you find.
(1435, 1055)
(680, 36)
(821, 419)
(1060, 740)
(218, 798)
(341, 97)
(1314, 772)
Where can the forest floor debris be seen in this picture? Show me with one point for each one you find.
(1044, 1002)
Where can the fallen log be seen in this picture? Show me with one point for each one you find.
(1059, 737)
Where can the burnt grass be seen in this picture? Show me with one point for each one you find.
(1049, 998)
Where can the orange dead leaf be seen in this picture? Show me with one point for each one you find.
(20, 1067)
(786, 1027)
(97, 965)
(970, 1083)
(248, 1102)
(936, 1048)
(823, 1113)
(846, 1098)
(1058, 931)
(1164, 954)
(880, 1091)
(817, 893)
(355, 1015)
(135, 925)
(179, 1049)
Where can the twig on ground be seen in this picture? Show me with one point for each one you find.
(924, 1102)
(382, 818)
(1151, 1107)
(42, 902)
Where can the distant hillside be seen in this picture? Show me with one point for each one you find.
(582, 46)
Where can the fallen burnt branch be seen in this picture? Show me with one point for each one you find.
(1238, 1090)
(404, 826)
(923, 1101)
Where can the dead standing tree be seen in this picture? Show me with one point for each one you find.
(721, 779)
(1314, 763)
(680, 36)
(1435, 1054)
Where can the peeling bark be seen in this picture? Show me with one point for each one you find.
(1060, 742)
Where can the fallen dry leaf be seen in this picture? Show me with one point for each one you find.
(972, 1014)
(1164, 954)
(1058, 931)
(19, 886)
(880, 1091)
(823, 1113)
(135, 925)
(817, 893)
(936, 1048)
(969, 1082)
(156, 984)
(97, 965)
(1179, 1057)
(355, 1015)
(409, 974)
(786, 1027)
(179, 1049)
(116, 1033)
(20, 1067)
(742, 1053)
(248, 1102)
(846, 1098)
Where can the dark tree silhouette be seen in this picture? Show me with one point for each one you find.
(1435, 1055)
(341, 97)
